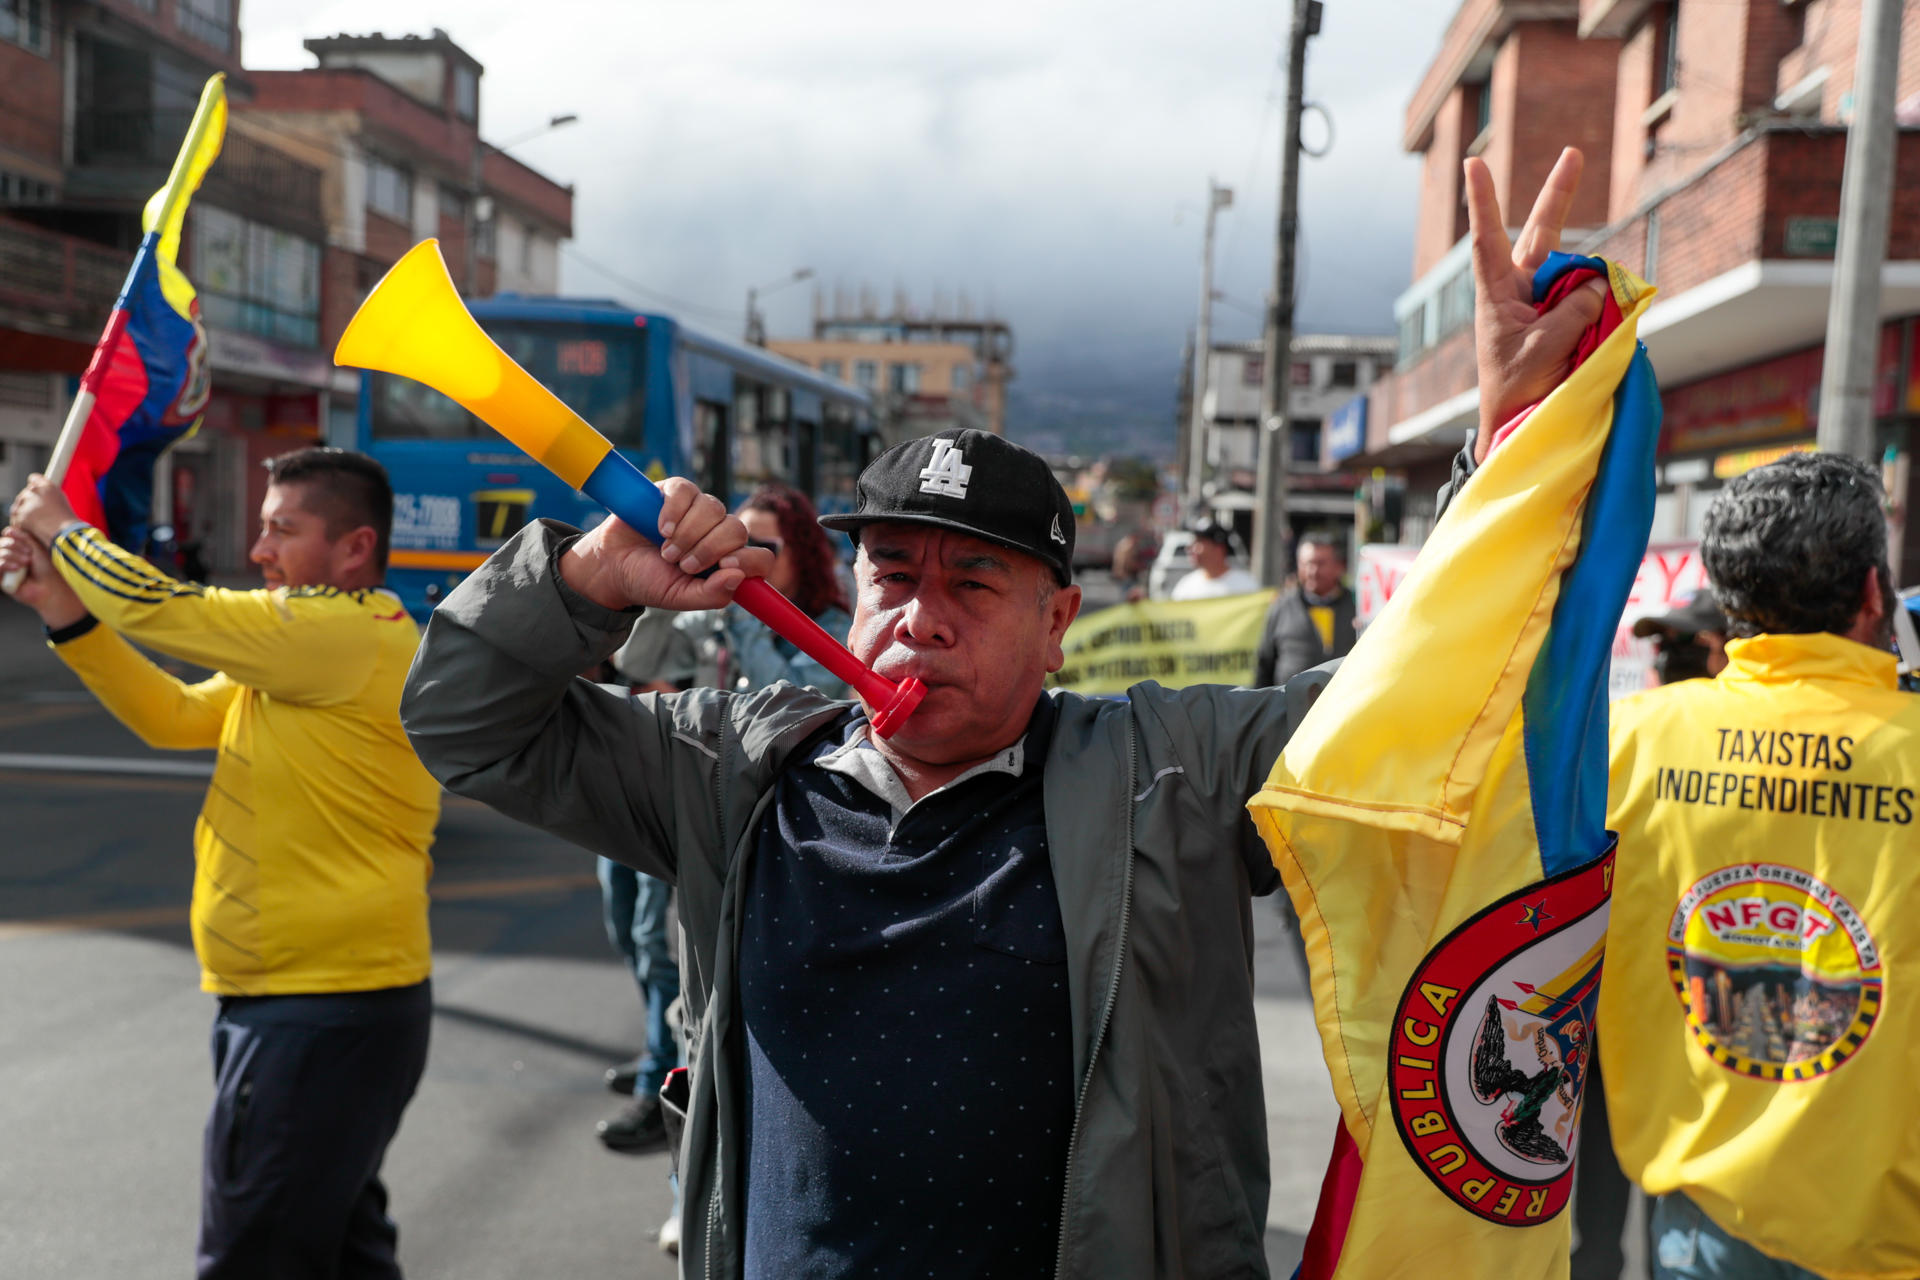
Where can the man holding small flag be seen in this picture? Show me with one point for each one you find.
(309, 914)
(1444, 841)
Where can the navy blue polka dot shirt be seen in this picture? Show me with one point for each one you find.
(903, 987)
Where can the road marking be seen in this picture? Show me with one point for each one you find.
(150, 917)
(135, 765)
(20, 715)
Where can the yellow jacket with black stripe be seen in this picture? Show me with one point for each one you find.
(311, 851)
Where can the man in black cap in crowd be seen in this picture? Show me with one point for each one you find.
(1690, 640)
(951, 1014)
(1214, 573)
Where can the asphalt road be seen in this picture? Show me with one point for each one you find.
(103, 1030)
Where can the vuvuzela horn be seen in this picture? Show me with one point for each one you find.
(414, 324)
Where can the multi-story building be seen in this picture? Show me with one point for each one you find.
(1326, 371)
(928, 372)
(95, 99)
(393, 123)
(326, 177)
(1715, 138)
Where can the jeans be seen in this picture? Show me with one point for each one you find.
(1688, 1245)
(636, 916)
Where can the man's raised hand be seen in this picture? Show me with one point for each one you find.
(616, 567)
(1521, 355)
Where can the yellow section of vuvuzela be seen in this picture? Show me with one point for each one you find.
(413, 324)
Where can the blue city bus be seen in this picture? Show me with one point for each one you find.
(673, 399)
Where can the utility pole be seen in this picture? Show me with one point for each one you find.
(756, 323)
(1866, 194)
(1270, 491)
(1218, 198)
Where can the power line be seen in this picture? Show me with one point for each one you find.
(714, 314)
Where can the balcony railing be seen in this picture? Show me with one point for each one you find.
(135, 138)
(60, 279)
(249, 173)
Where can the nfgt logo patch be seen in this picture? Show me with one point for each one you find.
(1492, 1044)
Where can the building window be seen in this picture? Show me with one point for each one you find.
(24, 22)
(486, 238)
(453, 204)
(389, 190)
(256, 279)
(1253, 371)
(526, 252)
(1667, 74)
(960, 379)
(903, 379)
(208, 21)
(830, 368)
(1345, 374)
(19, 189)
(866, 373)
(1302, 373)
(466, 94)
(1305, 433)
(1483, 108)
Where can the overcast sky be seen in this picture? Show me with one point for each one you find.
(1047, 156)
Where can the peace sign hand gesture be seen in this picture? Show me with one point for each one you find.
(1522, 355)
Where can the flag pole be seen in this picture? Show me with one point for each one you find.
(158, 218)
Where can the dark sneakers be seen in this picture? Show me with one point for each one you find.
(639, 1127)
(622, 1078)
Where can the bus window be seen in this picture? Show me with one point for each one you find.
(597, 371)
(761, 441)
(709, 446)
(839, 459)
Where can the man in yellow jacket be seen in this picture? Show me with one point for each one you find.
(310, 854)
(1758, 1023)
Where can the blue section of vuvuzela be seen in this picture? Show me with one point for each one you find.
(624, 489)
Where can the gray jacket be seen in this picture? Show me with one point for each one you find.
(1153, 855)
(1290, 643)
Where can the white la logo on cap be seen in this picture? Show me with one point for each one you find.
(948, 473)
(1055, 533)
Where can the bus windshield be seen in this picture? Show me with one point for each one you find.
(598, 371)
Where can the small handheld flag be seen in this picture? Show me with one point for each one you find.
(147, 383)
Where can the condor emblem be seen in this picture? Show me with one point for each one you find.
(1492, 1044)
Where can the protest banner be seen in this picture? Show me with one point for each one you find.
(1176, 642)
(1669, 575)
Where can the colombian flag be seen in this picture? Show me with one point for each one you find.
(147, 383)
(1439, 819)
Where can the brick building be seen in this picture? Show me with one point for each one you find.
(928, 371)
(394, 125)
(294, 222)
(95, 98)
(1714, 132)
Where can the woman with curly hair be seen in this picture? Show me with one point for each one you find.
(804, 572)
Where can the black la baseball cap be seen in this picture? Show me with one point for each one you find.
(973, 482)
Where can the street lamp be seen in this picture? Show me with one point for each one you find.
(553, 122)
(476, 192)
(756, 328)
